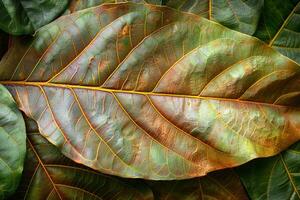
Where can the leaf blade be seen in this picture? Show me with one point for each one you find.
(156, 75)
(12, 152)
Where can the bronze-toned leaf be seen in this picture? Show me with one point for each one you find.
(50, 175)
(146, 91)
(235, 14)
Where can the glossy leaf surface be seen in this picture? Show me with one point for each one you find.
(24, 17)
(154, 93)
(273, 178)
(223, 185)
(50, 175)
(12, 144)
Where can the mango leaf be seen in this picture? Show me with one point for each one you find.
(50, 175)
(279, 26)
(239, 15)
(273, 178)
(223, 185)
(12, 144)
(24, 17)
(145, 91)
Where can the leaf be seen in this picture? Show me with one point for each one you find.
(223, 185)
(50, 175)
(24, 17)
(12, 144)
(239, 15)
(280, 27)
(154, 93)
(273, 178)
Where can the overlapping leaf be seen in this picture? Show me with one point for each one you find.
(223, 185)
(273, 178)
(24, 17)
(280, 27)
(12, 144)
(145, 91)
(50, 175)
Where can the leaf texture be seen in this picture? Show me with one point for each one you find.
(273, 178)
(239, 15)
(24, 17)
(50, 175)
(12, 144)
(223, 185)
(145, 91)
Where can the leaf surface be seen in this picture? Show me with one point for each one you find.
(50, 175)
(24, 17)
(154, 93)
(12, 144)
(239, 15)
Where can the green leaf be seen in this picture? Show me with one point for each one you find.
(145, 91)
(279, 26)
(223, 185)
(273, 178)
(24, 17)
(50, 175)
(12, 144)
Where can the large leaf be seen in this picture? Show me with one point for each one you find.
(239, 15)
(24, 17)
(144, 91)
(50, 175)
(280, 26)
(222, 185)
(273, 178)
(12, 144)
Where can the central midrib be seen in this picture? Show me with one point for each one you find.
(60, 85)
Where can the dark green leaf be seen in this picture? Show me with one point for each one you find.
(279, 26)
(221, 185)
(23, 17)
(12, 144)
(273, 178)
